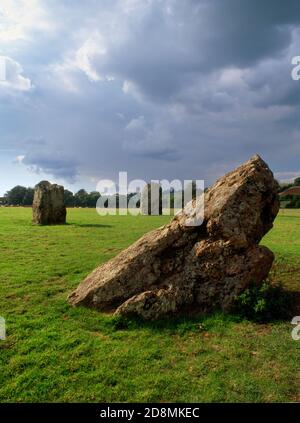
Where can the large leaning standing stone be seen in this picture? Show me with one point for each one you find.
(48, 204)
(178, 267)
(151, 199)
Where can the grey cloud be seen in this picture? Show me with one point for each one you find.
(211, 79)
(40, 159)
(168, 43)
(149, 141)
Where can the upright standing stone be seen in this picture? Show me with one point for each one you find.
(151, 199)
(48, 204)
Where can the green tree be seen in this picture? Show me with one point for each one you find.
(81, 198)
(297, 181)
(92, 198)
(28, 197)
(16, 195)
(69, 198)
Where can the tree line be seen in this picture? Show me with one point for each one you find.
(22, 196)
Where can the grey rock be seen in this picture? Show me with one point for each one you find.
(48, 204)
(201, 267)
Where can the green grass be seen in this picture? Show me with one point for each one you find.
(54, 352)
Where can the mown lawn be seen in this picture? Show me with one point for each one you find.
(54, 352)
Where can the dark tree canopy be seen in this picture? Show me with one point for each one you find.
(16, 196)
(28, 197)
(69, 198)
(297, 181)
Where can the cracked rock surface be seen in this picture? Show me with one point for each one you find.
(178, 266)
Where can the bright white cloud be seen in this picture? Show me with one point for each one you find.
(19, 18)
(12, 76)
(92, 49)
(19, 159)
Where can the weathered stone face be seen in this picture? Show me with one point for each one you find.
(151, 200)
(179, 266)
(48, 204)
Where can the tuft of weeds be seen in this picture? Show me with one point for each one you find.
(264, 303)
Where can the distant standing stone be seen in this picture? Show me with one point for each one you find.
(151, 199)
(48, 204)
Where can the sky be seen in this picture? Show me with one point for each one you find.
(162, 89)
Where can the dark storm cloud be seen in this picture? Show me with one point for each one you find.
(41, 158)
(163, 89)
(167, 46)
(54, 165)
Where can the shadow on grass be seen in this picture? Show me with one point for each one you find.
(217, 321)
(178, 325)
(79, 225)
(296, 302)
(90, 225)
(259, 305)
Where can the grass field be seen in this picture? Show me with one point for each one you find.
(54, 352)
